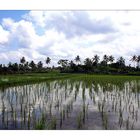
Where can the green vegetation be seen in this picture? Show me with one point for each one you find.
(38, 77)
(32, 77)
(106, 65)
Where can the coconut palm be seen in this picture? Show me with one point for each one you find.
(32, 65)
(77, 59)
(96, 59)
(121, 61)
(48, 60)
(105, 59)
(22, 60)
(88, 62)
(138, 60)
(40, 65)
(134, 59)
(63, 62)
(111, 59)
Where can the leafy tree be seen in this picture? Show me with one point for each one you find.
(121, 62)
(15, 67)
(134, 59)
(48, 60)
(138, 61)
(22, 60)
(105, 59)
(77, 59)
(32, 65)
(26, 66)
(40, 65)
(96, 59)
(111, 59)
(88, 64)
(63, 62)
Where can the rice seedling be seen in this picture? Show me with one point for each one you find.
(63, 114)
(50, 109)
(79, 121)
(52, 124)
(99, 106)
(133, 124)
(133, 112)
(116, 106)
(40, 125)
(7, 120)
(127, 123)
(94, 100)
(87, 110)
(105, 121)
(136, 115)
(15, 119)
(29, 119)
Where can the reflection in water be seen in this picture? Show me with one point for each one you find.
(69, 104)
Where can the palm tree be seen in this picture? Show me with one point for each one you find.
(15, 67)
(111, 59)
(40, 65)
(96, 59)
(71, 63)
(48, 60)
(105, 59)
(121, 61)
(88, 62)
(138, 60)
(22, 60)
(77, 59)
(134, 59)
(26, 65)
(32, 65)
(63, 62)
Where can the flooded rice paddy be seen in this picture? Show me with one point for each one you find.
(71, 104)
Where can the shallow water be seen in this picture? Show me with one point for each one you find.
(71, 104)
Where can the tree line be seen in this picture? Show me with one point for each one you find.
(106, 65)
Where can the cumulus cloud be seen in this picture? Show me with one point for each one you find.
(65, 34)
(3, 36)
(72, 23)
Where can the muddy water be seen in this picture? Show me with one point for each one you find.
(71, 104)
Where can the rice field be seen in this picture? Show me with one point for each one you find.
(81, 102)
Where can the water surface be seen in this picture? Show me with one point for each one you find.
(71, 104)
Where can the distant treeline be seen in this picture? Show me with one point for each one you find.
(107, 65)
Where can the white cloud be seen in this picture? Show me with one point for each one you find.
(62, 34)
(3, 36)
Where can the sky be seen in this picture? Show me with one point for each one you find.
(66, 34)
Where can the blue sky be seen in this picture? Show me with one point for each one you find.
(14, 14)
(65, 34)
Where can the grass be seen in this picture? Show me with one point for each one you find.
(16, 79)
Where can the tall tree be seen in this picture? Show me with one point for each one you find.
(22, 60)
(111, 59)
(138, 61)
(88, 64)
(40, 65)
(77, 59)
(105, 59)
(32, 65)
(134, 59)
(48, 60)
(15, 67)
(121, 62)
(63, 62)
(96, 59)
